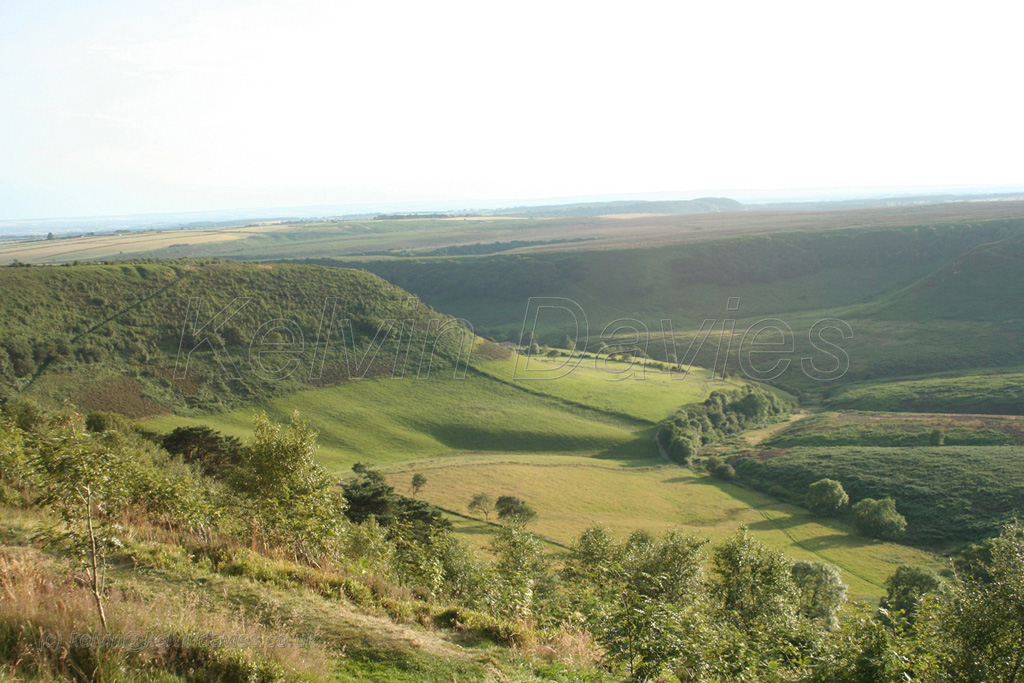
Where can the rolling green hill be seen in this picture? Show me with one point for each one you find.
(140, 338)
(984, 392)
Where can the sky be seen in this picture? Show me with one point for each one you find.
(112, 107)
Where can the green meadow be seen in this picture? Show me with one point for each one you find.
(572, 496)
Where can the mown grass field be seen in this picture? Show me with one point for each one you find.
(572, 496)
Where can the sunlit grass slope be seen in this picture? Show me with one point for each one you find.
(640, 392)
(389, 420)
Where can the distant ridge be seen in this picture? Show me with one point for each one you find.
(684, 206)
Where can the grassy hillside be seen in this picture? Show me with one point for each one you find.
(110, 334)
(388, 420)
(990, 392)
(639, 391)
(849, 428)
(780, 273)
(918, 299)
(948, 494)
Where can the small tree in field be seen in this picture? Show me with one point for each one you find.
(826, 497)
(878, 518)
(418, 482)
(937, 438)
(482, 504)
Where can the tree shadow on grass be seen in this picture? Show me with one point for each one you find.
(778, 523)
(638, 452)
(837, 541)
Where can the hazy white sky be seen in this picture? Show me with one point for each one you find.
(119, 106)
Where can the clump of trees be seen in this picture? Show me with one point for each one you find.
(723, 413)
(871, 517)
(719, 468)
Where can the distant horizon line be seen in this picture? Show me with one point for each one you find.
(747, 197)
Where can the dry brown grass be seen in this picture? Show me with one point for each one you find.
(570, 644)
(49, 625)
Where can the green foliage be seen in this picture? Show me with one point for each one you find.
(864, 651)
(290, 497)
(826, 497)
(514, 510)
(370, 497)
(821, 591)
(905, 590)
(878, 518)
(26, 414)
(418, 482)
(517, 571)
(755, 588)
(14, 465)
(719, 469)
(980, 627)
(646, 634)
(214, 453)
(108, 336)
(723, 413)
(483, 504)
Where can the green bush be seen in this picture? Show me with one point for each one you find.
(878, 518)
(826, 497)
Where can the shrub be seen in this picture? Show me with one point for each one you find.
(906, 588)
(719, 469)
(826, 497)
(879, 518)
(514, 509)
